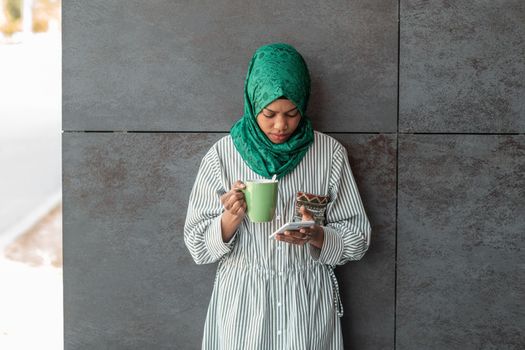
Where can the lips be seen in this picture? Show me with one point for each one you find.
(280, 136)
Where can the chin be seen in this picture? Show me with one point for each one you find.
(277, 141)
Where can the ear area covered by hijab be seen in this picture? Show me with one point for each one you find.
(275, 70)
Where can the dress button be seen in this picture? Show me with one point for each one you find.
(278, 247)
(280, 273)
(279, 304)
(278, 217)
(278, 332)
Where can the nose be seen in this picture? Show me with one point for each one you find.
(281, 123)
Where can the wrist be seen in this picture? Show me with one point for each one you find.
(318, 239)
(229, 224)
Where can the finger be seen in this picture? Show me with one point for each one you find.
(242, 206)
(297, 241)
(229, 198)
(309, 232)
(294, 234)
(235, 207)
(307, 215)
(234, 196)
(241, 211)
(224, 197)
(291, 240)
(233, 200)
(238, 185)
(238, 195)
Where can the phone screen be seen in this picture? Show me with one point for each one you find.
(292, 226)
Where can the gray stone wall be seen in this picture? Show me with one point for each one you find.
(427, 97)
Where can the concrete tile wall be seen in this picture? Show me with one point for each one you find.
(461, 197)
(444, 267)
(129, 281)
(460, 281)
(158, 66)
(462, 66)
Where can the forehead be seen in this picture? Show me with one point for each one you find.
(280, 105)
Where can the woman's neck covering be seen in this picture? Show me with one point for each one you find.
(275, 70)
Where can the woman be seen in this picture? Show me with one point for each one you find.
(283, 293)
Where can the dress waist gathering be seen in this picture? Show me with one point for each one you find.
(267, 272)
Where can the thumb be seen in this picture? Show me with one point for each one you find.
(307, 215)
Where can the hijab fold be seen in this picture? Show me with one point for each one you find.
(275, 71)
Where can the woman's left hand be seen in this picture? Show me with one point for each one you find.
(313, 234)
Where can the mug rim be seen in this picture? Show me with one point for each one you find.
(261, 181)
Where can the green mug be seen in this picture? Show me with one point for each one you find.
(261, 199)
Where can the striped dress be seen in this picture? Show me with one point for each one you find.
(269, 294)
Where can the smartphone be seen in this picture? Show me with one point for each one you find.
(292, 226)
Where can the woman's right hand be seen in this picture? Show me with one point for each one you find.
(233, 201)
(235, 209)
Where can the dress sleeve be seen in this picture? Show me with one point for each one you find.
(202, 228)
(347, 229)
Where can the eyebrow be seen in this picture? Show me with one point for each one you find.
(284, 112)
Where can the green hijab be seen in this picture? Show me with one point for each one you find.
(275, 70)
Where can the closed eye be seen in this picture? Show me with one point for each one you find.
(291, 115)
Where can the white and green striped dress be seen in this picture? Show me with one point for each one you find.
(269, 294)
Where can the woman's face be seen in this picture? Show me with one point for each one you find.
(279, 120)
